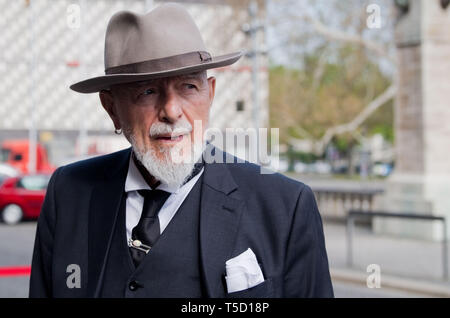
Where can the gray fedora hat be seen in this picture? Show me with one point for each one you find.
(164, 42)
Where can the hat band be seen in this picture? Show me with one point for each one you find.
(162, 64)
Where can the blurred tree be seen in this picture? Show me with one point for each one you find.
(305, 106)
(339, 75)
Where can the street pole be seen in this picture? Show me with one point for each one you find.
(253, 13)
(83, 135)
(32, 134)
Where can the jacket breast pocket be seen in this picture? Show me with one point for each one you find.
(263, 290)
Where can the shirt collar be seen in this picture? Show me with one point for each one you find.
(135, 181)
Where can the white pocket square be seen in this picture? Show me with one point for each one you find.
(243, 272)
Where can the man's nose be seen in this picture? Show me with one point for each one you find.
(171, 110)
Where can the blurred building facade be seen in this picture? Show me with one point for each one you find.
(421, 181)
(46, 45)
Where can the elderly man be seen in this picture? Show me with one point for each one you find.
(160, 219)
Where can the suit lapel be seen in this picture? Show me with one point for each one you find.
(104, 207)
(220, 211)
(219, 220)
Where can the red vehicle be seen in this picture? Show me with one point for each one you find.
(16, 153)
(22, 197)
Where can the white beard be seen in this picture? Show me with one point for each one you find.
(166, 169)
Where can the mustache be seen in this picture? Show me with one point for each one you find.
(180, 127)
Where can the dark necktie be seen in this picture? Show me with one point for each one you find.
(145, 234)
(147, 231)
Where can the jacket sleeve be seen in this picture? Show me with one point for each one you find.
(41, 266)
(306, 267)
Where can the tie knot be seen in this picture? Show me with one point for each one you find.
(153, 193)
(153, 201)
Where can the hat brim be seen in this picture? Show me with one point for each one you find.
(96, 84)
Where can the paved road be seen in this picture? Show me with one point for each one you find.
(16, 244)
(412, 258)
(16, 247)
(350, 290)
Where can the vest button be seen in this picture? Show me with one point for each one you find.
(133, 285)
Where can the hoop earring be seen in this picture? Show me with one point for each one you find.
(118, 131)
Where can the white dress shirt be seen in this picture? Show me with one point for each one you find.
(135, 181)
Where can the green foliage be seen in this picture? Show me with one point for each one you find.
(327, 92)
(382, 122)
(342, 143)
(385, 130)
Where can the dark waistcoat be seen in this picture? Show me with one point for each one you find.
(170, 269)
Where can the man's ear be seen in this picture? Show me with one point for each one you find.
(212, 88)
(107, 100)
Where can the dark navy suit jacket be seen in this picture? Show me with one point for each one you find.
(240, 208)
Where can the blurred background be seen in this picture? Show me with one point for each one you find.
(357, 90)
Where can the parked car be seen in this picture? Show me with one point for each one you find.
(22, 197)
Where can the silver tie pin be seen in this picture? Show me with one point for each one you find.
(139, 245)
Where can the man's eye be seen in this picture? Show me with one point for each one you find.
(191, 86)
(148, 91)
